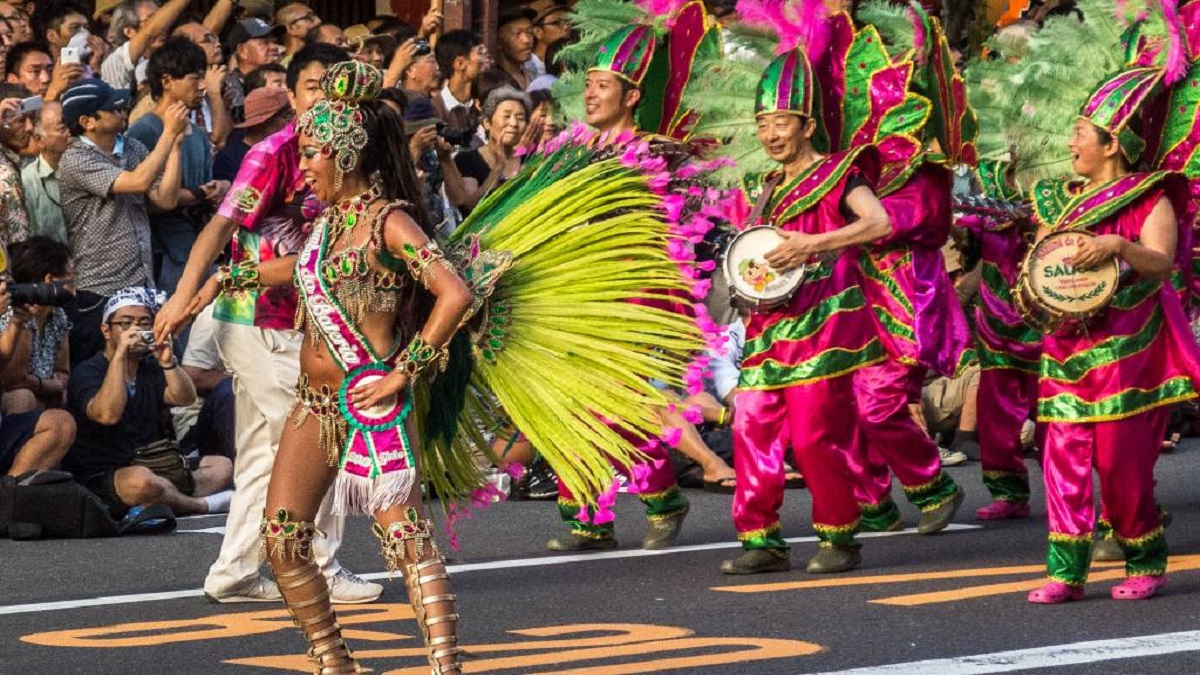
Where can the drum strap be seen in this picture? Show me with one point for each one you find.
(763, 198)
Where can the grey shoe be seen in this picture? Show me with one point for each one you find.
(1107, 550)
(664, 529)
(936, 520)
(834, 559)
(347, 588)
(258, 589)
(758, 561)
(578, 542)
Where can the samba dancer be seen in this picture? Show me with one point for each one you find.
(1102, 411)
(799, 359)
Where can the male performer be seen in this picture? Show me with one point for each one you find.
(267, 213)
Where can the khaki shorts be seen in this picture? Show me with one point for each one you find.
(942, 399)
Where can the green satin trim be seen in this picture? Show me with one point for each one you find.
(828, 364)
(807, 324)
(894, 326)
(664, 503)
(994, 281)
(809, 200)
(886, 280)
(881, 517)
(839, 535)
(1068, 558)
(1132, 295)
(991, 359)
(1054, 203)
(1071, 408)
(1145, 555)
(569, 511)
(1007, 486)
(768, 537)
(933, 494)
(1106, 353)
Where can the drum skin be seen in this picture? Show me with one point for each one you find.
(1052, 290)
(750, 278)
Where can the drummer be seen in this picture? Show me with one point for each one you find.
(795, 381)
(1106, 381)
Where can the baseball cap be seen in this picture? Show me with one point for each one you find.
(250, 29)
(90, 96)
(262, 104)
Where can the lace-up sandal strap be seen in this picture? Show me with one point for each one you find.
(322, 597)
(439, 654)
(426, 564)
(318, 652)
(430, 578)
(441, 619)
(306, 573)
(435, 599)
(326, 632)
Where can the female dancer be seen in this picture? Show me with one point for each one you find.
(366, 277)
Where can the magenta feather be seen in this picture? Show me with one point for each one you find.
(920, 33)
(1176, 63)
(661, 7)
(798, 23)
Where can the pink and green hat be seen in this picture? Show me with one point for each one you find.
(786, 86)
(1115, 103)
(627, 54)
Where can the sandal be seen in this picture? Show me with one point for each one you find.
(1141, 587)
(721, 486)
(152, 519)
(1056, 593)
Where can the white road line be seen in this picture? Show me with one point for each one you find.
(466, 567)
(1054, 656)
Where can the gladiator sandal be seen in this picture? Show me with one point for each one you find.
(306, 593)
(409, 549)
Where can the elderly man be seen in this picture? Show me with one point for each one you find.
(515, 43)
(297, 19)
(40, 178)
(255, 44)
(16, 132)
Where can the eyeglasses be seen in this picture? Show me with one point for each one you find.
(124, 324)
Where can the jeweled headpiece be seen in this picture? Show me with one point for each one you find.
(627, 54)
(786, 86)
(1115, 103)
(336, 122)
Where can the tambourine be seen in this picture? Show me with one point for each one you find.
(1051, 291)
(751, 279)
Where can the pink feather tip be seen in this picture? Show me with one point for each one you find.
(1175, 65)
(798, 23)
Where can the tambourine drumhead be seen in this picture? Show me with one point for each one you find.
(749, 275)
(1058, 286)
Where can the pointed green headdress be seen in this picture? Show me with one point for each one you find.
(786, 86)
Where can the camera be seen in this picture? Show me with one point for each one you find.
(49, 295)
(147, 336)
(457, 137)
(422, 47)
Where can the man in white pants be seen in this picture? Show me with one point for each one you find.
(268, 213)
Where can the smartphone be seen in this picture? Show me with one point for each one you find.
(30, 105)
(69, 55)
(147, 336)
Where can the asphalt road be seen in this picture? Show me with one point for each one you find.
(133, 605)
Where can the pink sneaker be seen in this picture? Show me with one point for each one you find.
(1056, 593)
(1141, 587)
(1002, 510)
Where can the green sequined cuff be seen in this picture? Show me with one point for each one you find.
(1068, 558)
(933, 494)
(770, 537)
(665, 503)
(1145, 555)
(881, 517)
(569, 509)
(1007, 486)
(841, 536)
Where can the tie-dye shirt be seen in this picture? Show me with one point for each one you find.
(273, 209)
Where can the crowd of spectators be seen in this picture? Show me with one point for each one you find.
(123, 124)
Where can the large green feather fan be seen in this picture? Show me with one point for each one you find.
(558, 349)
(1033, 82)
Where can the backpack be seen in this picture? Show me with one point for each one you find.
(51, 505)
